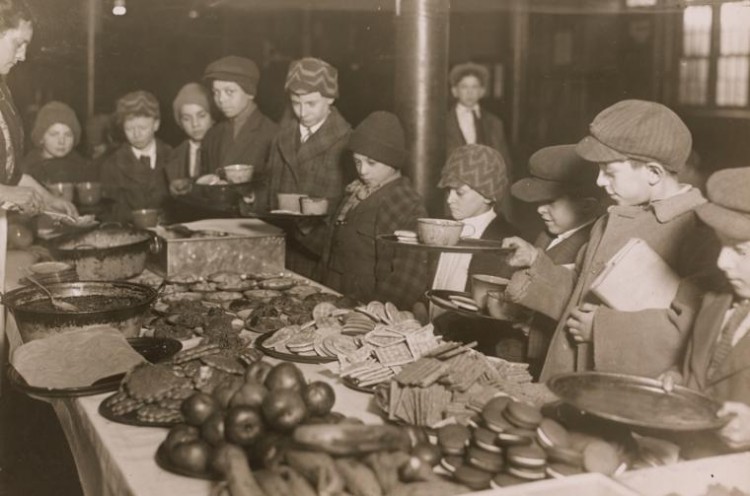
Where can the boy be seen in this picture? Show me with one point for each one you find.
(563, 188)
(192, 111)
(133, 176)
(717, 361)
(475, 176)
(306, 156)
(640, 147)
(246, 134)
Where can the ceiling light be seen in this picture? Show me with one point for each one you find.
(119, 8)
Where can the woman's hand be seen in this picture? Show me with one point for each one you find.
(736, 434)
(57, 204)
(28, 200)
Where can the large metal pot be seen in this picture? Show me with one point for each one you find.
(108, 253)
(120, 304)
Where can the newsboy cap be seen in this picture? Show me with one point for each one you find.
(239, 70)
(637, 129)
(380, 137)
(728, 209)
(556, 171)
(460, 71)
(310, 75)
(480, 167)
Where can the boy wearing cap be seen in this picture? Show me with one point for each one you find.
(192, 111)
(475, 177)
(245, 136)
(639, 146)
(55, 133)
(306, 157)
(381, 201)
(563, 188)
(134, 174)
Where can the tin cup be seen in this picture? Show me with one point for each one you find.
(89, 193)
(66, 191)
(145, 218)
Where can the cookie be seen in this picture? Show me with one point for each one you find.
(472, 477)
(486, 439)
(560, 470)
(506, 480)
(492, 414)
(453, 439)
(451, 462)
(601, 457)
(528, 456)
(551, 434)
(488, 461)
(523, 415)
(515, 437)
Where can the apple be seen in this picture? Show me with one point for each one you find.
(284, 409)
(250, 394)
(258, 371)
(243, 425)
(319, 398)
(198, 407)
(225, 391)
(192, 455)
(213, 429)
(181, 433)
(285, 375)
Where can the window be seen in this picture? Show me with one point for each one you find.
(714, 67)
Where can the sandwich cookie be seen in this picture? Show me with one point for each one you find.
(492, 414)
(530, 456)
(523, 415)
(451, 463)
(529, 474)
(486, 439)
(560, 470)
(506, 480)
(515, 437)
(568, 456)
(485, 460)
(550, 434)
(472, 477)
(453, 439)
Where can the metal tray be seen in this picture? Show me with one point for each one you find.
(463, 246)
(637, 401)
(105, 410)
(441, 298)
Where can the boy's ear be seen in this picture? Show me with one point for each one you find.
(656, 172)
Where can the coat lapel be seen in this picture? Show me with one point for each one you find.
(237, 148)
(333, 129)
(706, 331)
(567, 250)
(286, 142)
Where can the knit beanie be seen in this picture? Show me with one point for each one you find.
(637, 129)
(309, 75)
(55, 113)
(239, 70)
(191, 93)
(137, 104)
(380, 137)
(480, 167)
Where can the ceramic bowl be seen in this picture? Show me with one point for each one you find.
(314, 206)
(499, 308)
(481, 284)
(63, 190)
(145, 218)
(238, 173)
(441, 232)
(89, 193)
(290, 201)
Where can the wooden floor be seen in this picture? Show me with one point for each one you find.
(34, 456)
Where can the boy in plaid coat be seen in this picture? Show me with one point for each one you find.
(381, 201)
(306, 157)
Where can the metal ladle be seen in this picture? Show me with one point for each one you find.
(60, 305)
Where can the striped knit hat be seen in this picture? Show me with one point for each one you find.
(480, 167)
(309, 75)
(640, 130)
(137, 104)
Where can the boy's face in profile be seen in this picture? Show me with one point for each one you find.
(734, 261)
(625, 183)
(468, 91)
(140, 130)
(195, 121)
(465, 202)
(563, 214)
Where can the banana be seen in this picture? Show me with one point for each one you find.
(350, 439)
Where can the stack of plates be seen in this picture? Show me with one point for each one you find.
(406, 236)
(51, 272)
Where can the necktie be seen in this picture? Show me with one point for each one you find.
(306, 133)
(195, 166)
(724, 345)
(478, 128)
(145, 160)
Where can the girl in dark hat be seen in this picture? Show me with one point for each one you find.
(381, 201)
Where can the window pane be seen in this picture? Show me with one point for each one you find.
(732, 81)
(693, 81)
(735, 28)
(696, 30)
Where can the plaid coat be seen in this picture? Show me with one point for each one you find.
(133, 185)
(313, 168)
(366, 269)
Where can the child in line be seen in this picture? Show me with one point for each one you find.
(381, 201)
(563, 188)
(717, 360)
(55, 134)
(134, 175)
(640, 147)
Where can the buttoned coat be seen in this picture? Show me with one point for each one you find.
(315, 168)
(132, 184)
(366, 269)
(492, 129)
(646, 342)
(178, 165)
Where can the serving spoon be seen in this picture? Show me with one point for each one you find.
(60, 305)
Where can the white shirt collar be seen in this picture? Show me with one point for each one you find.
(313, 129)
(149, 151)
(468, 110)
(479, 223)
(563, 236)
(194, 145)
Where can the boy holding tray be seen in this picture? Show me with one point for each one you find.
(640, 147)
(563, 188)
(717, 361)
